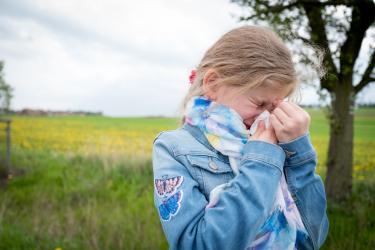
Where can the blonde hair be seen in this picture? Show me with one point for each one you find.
(247, 57)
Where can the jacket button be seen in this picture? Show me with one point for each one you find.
(289, 153)
(294, 197)
(213, 165)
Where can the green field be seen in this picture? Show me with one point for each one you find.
(86, 183)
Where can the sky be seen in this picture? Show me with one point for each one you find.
(122, 58)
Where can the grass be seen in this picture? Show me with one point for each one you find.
(87, 184)
(352, 223)
(77, 203)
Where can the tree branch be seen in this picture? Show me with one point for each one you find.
(367, 77)
(363, 15)
(304, 39)
(280, 7)
(319, 37)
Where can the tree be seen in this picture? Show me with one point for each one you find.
(5, 97)
(339, 27)
(5, 92)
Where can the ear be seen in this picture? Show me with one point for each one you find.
(208, 79)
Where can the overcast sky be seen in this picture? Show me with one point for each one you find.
(124, 58)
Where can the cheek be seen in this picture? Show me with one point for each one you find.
(247, 113)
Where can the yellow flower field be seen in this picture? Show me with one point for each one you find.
(115, 139)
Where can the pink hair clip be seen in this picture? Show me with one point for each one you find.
(192, 76)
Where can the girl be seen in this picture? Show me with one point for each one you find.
(219, 185)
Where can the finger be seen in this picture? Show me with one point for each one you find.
(261, 125)
(300, 112)
(296, 107)
(270, 134)
(288, 109)
(259, 129)
(281, 115)
(269, 127)
(276, 124)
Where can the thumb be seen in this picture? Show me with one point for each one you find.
(259, 130)
(261, 125)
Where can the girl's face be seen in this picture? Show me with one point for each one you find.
(251, 104)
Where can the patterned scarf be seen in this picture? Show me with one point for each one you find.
(226, 132)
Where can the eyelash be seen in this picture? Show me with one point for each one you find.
(258, 105)
(262, 104)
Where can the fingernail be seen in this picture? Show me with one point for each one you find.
(261, 123)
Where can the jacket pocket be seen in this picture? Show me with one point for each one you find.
(210, 171)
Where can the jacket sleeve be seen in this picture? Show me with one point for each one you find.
(307, 189)
(242, 208)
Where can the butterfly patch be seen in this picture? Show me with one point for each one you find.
(170, 206)
(166, 189)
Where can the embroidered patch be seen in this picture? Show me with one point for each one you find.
(170, 206)
(165, 187)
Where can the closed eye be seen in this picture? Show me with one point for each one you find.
(261, 104)
(264, 105)
(257, 103)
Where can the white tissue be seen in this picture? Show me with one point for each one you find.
(263, 116)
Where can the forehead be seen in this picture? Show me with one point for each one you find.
(268, 93)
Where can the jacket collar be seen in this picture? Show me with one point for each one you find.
(199, 135)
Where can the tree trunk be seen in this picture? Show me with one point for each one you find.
(3, 173)
(338, 180)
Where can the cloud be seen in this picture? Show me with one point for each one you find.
(120, 57)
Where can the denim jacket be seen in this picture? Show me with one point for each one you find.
(186, 168)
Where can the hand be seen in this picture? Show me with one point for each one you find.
(289, 121)
(264, 134)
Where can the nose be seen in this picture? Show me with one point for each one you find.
(273, 105)
(276, 102)
(269, 108)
